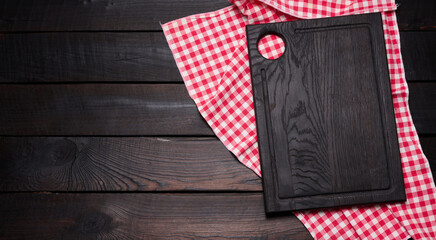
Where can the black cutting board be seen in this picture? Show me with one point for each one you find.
(324, 115)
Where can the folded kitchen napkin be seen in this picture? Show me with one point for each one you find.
(210, 50)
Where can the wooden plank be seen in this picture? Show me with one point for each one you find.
(109, 15)
(99, 109)
(422, 104)
(416, 14)
(99, 15)
(428, 145)
(143, 216)
(419, 55)
(121, 164)
(324, 115)
(129, 164)
(86, 57)
(130, 109)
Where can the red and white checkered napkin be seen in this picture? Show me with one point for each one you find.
(210, 51)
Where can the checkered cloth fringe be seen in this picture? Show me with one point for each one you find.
(210, 51)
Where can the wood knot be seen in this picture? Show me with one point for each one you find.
(94, 223)
(32, 157)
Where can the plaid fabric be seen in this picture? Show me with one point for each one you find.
(210, 51)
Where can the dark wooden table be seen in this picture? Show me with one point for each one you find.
(99, 138)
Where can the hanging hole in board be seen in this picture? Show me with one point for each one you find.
(271, 46)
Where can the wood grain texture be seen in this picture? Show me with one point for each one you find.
(86, 57)
(320, 109)
(97, 15)
(129, 164)
(143, 216)
(422, 105)
(419, 55)
(416, 14)
(121, 164)
(99, 109)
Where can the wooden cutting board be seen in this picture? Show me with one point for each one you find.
(324, 114)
